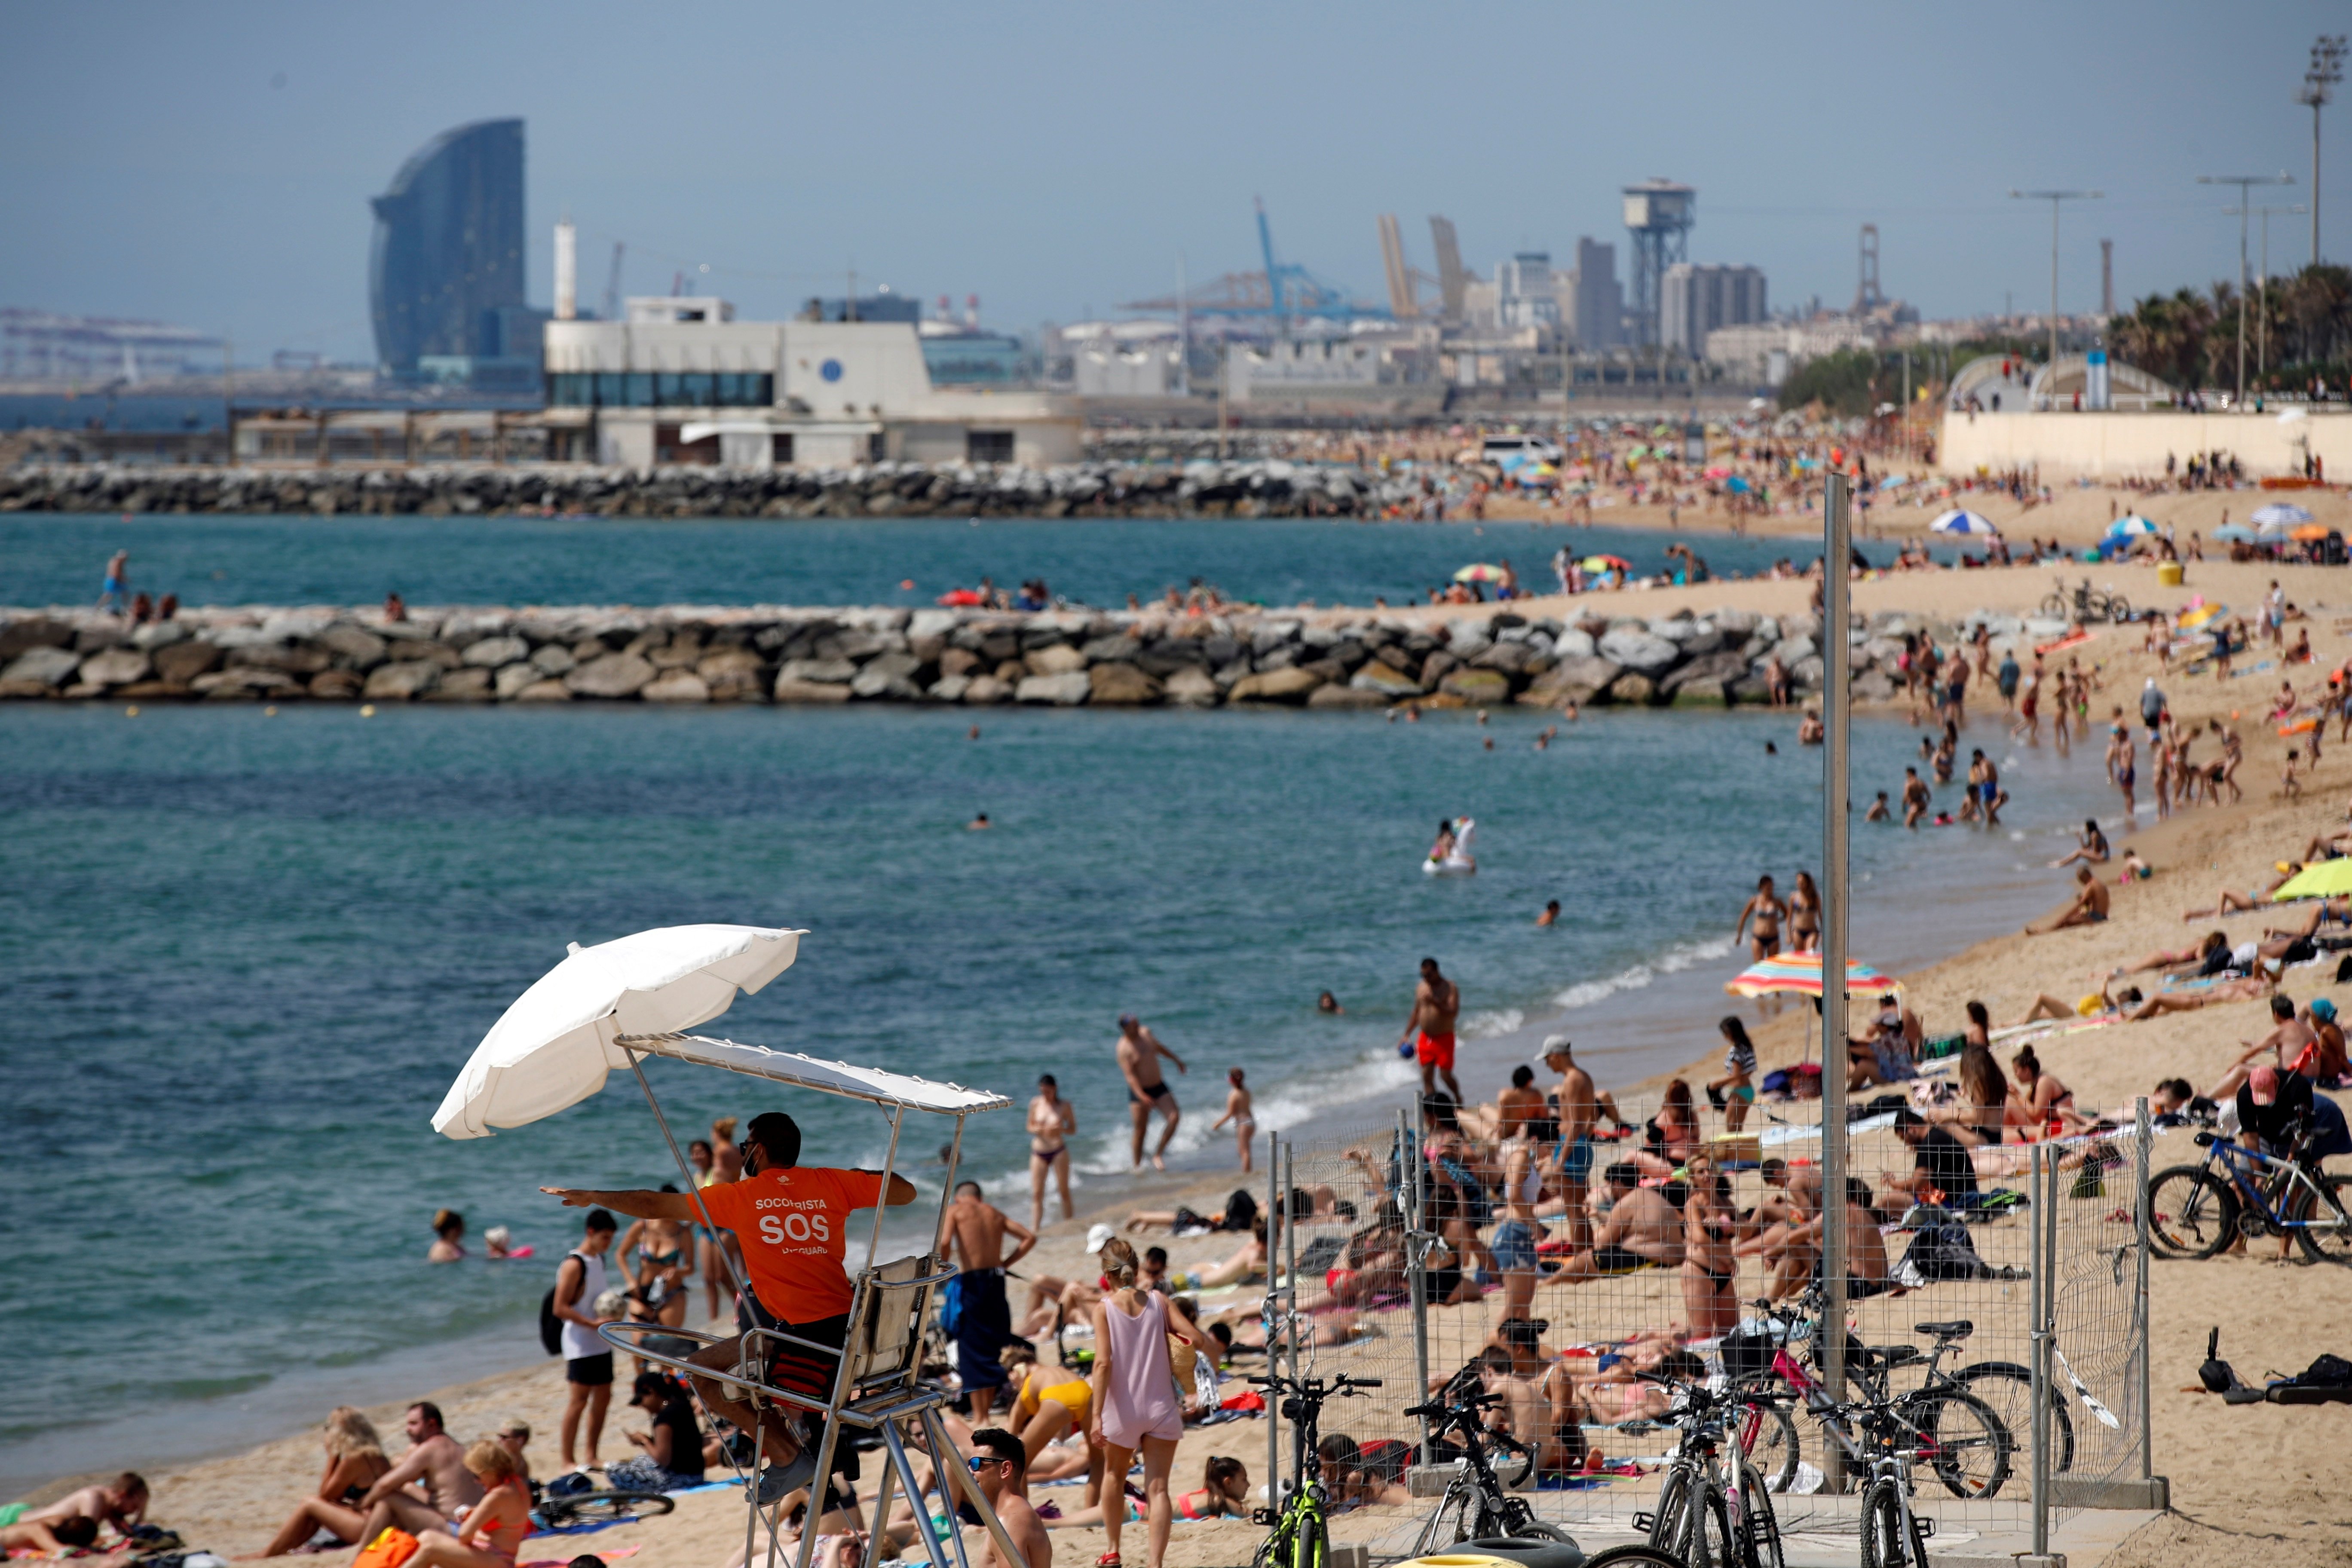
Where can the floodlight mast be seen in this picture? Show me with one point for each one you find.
(2326, 71)
(2055, 199)
(2245, 183)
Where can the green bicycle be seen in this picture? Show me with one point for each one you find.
(1302, 1537)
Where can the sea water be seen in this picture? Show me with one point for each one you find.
(248, 954)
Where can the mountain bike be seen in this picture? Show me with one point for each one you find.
(2195, 1211)
(1477, 1503)
(1957, 1435)
(1894, 1533)
(1301, 1534)
(1713, 1511)
(2086, 605)
(555, 1510)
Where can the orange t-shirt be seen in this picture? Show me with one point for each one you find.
(792, 1224)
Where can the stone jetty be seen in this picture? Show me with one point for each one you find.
(1197, 487)
(1478, 656)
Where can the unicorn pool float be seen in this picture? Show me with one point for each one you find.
(1450, 855)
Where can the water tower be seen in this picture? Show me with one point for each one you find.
(1659, 213)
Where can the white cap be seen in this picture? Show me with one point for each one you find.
(1555, 1046)
(1100, 1237)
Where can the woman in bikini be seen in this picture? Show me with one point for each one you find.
(1053, 1122)
(355, 1461)
(494, 1527)
(664, 1257)
(1766, 911)
(1048, 1404)
(1710, 1270)
(1976, 1116)
(2039, 1099)
(1805, 915)
(1223, 1494)
(1671, 1137)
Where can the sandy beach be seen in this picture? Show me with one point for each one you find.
(2257, 1480)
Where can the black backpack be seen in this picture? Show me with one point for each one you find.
(551, 1327)
(2326, 1380)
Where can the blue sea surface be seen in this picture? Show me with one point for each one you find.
(246, 956)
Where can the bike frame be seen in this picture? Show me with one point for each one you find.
(2242, 1164)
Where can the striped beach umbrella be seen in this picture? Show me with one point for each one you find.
(2133, 526)
(1962, 522)
(1801, 972)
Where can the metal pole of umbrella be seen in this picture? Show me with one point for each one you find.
(1836, 891)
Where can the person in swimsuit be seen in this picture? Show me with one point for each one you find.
(2039, 1099)
(708, 1260)
(448, 1237)
(2122, 758)
(1225, 1491)
(1436, 1004)
(1237, 1112)
(1735, 1091)
(115, 593)
(2090, 847)
(494, 1527)
(1139, 1052)
(1134, 1393)
(1990, 797)
(663, 1260)
(1766, 912)
(1515, 1239)
(1580, 1106)
(1710, 1269)
(1052, 1122)
(355, 1461)
(1916, 802)
(2089, 907)
(1804, 915)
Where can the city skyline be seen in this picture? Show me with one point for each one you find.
(1056, 161)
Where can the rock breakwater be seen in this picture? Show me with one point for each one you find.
(699, 654)
(1198, 487)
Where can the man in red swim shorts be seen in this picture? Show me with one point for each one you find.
(1436, 1003)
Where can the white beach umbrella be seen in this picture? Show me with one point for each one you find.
(2131, 526)
(2278, 517)
(1958, 522)
(552, 1048)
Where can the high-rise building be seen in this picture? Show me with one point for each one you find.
(448, 256)
(1693, 299)
(1600, 299)
(1523, 291)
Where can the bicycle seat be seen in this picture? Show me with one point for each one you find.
(1958, 1329)
(1894, 1355)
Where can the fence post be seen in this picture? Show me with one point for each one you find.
(2143, 1218)
(2042, 1187)
(1290, 1326)
(1408, 1163)
(1276, 1321)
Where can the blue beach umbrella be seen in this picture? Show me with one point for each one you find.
(2280, 514)
(2234, 533)
(1958, 522)
(2130, 527)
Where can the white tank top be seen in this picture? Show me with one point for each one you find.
(579, 1342)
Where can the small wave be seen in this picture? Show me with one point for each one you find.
(1674, 961)
(1496, 1021)
(1277, 1107)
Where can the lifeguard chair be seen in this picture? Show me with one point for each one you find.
(610, 1007)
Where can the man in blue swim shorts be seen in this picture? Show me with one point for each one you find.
(1578, 1108)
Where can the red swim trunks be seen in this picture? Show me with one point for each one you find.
(1434, 1050)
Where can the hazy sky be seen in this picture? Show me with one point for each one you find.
(210, 164)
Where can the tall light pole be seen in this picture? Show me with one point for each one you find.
(2262, 284)
(2055, 199)
(2326, 71)
(2244, 209)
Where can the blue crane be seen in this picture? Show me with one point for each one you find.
(1283, 291)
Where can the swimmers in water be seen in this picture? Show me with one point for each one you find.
(979, 823)
(1326, 1002)
(1551, 913)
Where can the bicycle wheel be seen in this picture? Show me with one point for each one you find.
(1885, 1541)
(2191, 1212)
(2007, 1389)
(1969, 1446)
(600, 1508)
(1702, 1541)
(2327, 1237)
(1636, 1556)
(1778, 1448)
(1450, 1522)
(1670, 1517)
(1759, 1527)
(2119, 608)
(2056, 607)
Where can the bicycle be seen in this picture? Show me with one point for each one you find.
(1894, 1533)
(554, 1510)
(2195, 1211)
(1301, 1536)
(1961, 1436)
(2087, 603)
(1701, 1493)
(1477, 1503)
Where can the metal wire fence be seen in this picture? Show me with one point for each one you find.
(1407, 1255)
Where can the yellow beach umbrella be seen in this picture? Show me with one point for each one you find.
(2325, 879)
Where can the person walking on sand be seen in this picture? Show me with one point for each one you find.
(1237, 1112)
(1436, 1005)
(976, 1228)
(2122, 768)
(587, 1359)
(792, 1223)
(1135, 1403)
(1140, 1051)
(1052, 1122)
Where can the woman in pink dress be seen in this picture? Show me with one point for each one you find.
(1136, 1401)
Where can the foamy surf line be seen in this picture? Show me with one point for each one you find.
(1674, 961)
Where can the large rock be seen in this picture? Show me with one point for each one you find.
(1477, 686)
(889, 676)
(1640, 651)
(1434, 668)
(1714, 666)
(728, 664)
(1275, 686)
(19, 637)
(356, 647)
(1574, 680)
(402, 682)
(825, 672)
(335, 684)
(1119, 648)
(1334, 695)
(1385, 681)
(491, 652)
(470, 684)
(1191, 687)
(1122, 685)
(1509, 658)
(790, 689)
(160, 633)
(184, 661)
(550, 691)
(615, 675)
(511, 680)
(1066, 689)
(1632, 688)
(1059, 659)
(115, 666)
(1707, 691)
(1574, 643)
(986, 690)
(554, 660)
(950, 688)
(1873, 686)
(958, 661)
(675, 686)
(42, 666)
